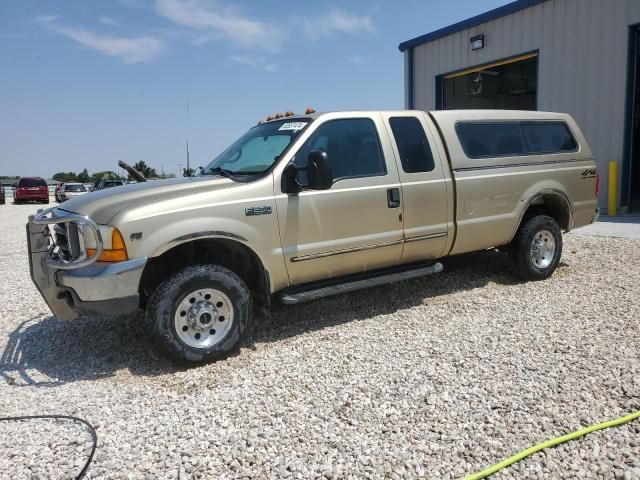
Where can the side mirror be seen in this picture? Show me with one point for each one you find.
(319, 171)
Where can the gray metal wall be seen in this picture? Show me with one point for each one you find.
(582, 64)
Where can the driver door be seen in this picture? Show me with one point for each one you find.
(354, 226)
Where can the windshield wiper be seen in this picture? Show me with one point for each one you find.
(221, 171)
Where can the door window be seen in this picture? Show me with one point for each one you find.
(413, 147)
(352, 146)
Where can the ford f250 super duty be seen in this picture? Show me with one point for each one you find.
(305, 206)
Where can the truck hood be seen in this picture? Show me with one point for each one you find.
(102, 205)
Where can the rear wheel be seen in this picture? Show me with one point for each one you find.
(537, 248)
(199, 314)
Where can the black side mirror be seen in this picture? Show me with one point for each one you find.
(290, 182)
(319, 170)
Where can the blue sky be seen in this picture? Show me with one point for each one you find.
(85, 83)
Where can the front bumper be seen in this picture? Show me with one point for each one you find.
(97, 289)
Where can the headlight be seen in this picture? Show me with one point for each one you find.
(114, 249)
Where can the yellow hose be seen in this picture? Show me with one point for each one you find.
(551, 443)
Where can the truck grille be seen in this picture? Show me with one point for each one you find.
(65, 238)
(65, 241)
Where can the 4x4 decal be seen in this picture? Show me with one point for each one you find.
(588, 173)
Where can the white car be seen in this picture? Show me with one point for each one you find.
(71, 190)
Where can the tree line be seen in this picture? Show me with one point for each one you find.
(85, 177)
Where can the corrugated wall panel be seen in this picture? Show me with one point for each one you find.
(582, 64)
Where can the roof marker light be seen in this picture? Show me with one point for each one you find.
(309, 110)
(289, 113)
(278, 115)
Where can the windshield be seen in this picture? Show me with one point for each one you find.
(257, 150)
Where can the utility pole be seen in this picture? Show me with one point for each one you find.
(188, 169)
(179, 170)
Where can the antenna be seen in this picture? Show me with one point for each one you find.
(188, 169)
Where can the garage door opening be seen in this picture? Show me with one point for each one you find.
(633, 170)
(510, 84)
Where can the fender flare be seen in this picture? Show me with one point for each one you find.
(548, 192)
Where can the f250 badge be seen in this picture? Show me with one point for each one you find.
(588, 173)
(251, 211)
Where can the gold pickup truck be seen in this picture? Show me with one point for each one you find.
(305, 206)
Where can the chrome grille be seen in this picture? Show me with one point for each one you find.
(66, 241)
(66, 247)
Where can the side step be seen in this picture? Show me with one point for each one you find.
(352, 285)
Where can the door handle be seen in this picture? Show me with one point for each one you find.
(393, 197)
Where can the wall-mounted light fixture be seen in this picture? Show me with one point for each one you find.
(477, 42)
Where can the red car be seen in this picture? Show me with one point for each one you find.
(31, 188)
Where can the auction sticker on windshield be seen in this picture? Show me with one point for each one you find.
(295, 126)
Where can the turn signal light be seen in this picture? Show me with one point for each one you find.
(309, 110)
(117, 252)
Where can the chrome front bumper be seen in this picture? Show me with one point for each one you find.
(94, 289)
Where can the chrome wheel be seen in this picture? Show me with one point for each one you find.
(543, 249)
(203, 318)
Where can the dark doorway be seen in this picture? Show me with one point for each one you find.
(634, 157)
(507, 84)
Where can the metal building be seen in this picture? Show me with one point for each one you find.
(576, 56)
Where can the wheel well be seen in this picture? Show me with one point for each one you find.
(555, 206)
(230, 254)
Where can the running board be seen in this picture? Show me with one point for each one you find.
(350, 286)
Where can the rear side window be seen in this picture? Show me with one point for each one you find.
(481, 140)
(506, 139)
(415, 153)
(32, 182)
(548, 137)
(352, 146)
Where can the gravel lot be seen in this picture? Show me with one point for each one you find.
(434, 378)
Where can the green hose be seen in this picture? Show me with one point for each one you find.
(551, 443)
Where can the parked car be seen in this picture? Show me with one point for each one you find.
(31, 189)
(304, 207)
(71, 190)
(2, 200)
(107, 183)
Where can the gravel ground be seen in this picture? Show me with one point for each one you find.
(433, 378)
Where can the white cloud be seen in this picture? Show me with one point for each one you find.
(219, 20)
(110, 21)
(337, 20)
(130, 49)
(256, 61)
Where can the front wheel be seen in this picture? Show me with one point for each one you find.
(537, 247)
(199, 314)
